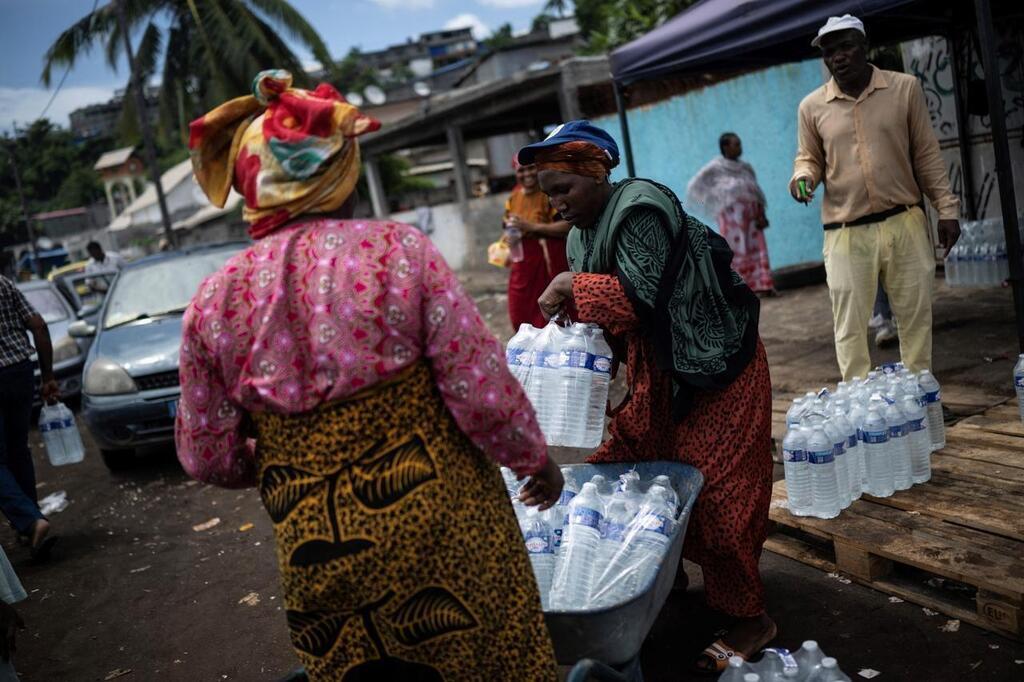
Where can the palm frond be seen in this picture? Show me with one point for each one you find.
(281, 13)
(147, 54)
(78, 39)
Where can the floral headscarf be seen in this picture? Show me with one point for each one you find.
(287, 151)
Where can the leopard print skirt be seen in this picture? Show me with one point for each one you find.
(400, 554)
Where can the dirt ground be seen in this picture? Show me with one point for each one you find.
(136, 593)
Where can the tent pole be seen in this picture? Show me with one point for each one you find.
(956, 43)
(620, 104)
(1001, 147)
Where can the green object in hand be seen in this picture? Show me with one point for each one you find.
(802, 184)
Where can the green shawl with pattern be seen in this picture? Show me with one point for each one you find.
(676, 272)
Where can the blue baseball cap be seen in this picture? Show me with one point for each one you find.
(573, 131)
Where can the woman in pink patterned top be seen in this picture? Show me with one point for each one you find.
(339, 366)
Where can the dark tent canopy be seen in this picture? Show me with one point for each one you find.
(726, 35)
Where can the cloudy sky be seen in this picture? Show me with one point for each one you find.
(30, 27)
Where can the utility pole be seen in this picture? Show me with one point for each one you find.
(149, 151)
(24, 209)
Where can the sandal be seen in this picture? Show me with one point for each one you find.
(719, 654)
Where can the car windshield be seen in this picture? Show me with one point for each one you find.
(48, 304)
(163, 287)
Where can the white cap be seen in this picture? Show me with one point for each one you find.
(843, 23)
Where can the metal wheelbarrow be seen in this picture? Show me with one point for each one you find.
(604, 644)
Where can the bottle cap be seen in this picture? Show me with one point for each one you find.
(751, 677)
(828, 662)
(810, 645)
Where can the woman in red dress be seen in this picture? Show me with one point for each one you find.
(529, 211)
(659, 281)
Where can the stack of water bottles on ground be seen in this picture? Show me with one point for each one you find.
(565, 372)
(603, 542)
(979, 258)
(872, 435)
(807, 664)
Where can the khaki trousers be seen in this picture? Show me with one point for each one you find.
(899, 252)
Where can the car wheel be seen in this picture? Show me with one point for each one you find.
(118, 460)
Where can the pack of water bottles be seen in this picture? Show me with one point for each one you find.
(60, 434)
(979, 258)
(604, 541)
(873, 435)
(807, 664)
(565, 372)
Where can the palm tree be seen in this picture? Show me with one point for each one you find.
(209, 49)
(557, 7)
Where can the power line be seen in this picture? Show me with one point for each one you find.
(63, 78)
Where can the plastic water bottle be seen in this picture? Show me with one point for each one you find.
(852, 445)
(1018, 385)
(808, 658)
(559, 513)
(671, 496)
(601, 358)
(514, 238)
(797, 472)
(539, 370)
(917, 436)
(519, 352)
(899, 446)
(777, 665)
(933, 404)
(654, 524)
(540, 546)
(613, 586)
(575, 566)
(74, 449)
(828, 672)
(795, 412)
(952, 267)
(575, 387)
(838, 439)
(824, 483)
(856, 416)
(877, 456)
(736, 669)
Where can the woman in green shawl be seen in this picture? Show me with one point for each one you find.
(658, 281)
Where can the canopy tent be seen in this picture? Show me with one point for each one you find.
(722, 35)
(733, 35)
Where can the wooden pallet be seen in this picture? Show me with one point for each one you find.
(954, 544)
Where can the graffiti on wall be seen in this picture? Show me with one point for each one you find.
(930, 60)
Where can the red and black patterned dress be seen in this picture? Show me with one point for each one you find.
(726, 435)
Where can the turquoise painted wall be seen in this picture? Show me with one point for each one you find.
(674, 138)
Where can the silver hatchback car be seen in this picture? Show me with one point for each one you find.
(130, 385)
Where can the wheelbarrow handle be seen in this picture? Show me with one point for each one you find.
(590, 669)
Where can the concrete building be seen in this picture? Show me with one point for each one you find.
(424, 55)
(97, 121)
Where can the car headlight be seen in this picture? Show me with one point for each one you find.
(65, 349)
(106, 377)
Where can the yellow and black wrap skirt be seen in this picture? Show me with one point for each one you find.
(400, 555)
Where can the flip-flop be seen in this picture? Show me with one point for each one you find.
(41, 552)
(719, 653)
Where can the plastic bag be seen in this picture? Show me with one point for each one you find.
(60, 435)
(498, 254)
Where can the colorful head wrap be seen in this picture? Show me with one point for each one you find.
(298, 156)
(578, 158)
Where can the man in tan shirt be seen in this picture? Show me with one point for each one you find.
(867, 136)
